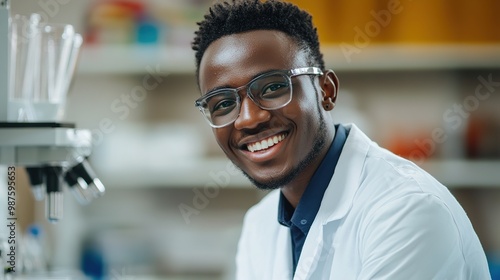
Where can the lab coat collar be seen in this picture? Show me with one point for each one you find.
(337, 200)
(345, 182)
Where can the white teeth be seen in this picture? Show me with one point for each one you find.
(270, 142)
(266, 143)
(258, 146)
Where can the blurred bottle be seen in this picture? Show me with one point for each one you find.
(93, 264)
(482, 138)
(147, 30)
(111, 22)
(31, 248)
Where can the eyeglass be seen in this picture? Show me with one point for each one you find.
(269, 91)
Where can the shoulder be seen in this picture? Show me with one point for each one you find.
(389, 179)
(381, 168)
(398, 199)
(392, 186)
(390, 170)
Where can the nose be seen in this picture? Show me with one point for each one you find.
(250, 115)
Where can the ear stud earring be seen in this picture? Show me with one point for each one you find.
(328, 105)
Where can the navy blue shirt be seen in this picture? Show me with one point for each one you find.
(299, 220)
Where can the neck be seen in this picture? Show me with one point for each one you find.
(295, 189)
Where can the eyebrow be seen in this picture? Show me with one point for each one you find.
(230, 87)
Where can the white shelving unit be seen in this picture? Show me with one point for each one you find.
(413, 57)
(208, 172)
(131, 59)
(465, 173)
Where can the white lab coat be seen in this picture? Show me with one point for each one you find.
(382, 217)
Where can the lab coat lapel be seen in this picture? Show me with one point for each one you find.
(336, 203)
(283, 268)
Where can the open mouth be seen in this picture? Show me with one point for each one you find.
(266, 143)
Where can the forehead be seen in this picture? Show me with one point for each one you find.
(235, 59)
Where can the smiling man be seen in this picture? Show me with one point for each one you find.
(342, 207)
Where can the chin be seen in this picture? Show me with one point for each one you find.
(271, 183)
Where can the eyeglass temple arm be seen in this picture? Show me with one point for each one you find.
(306, 70)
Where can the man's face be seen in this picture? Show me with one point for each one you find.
(299, 128)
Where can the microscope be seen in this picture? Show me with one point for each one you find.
(53, 153)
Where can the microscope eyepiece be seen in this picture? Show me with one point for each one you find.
(54, 199)
(35, 175)
(84, 171)
(78, 187)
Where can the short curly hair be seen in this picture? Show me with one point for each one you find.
(237, 16)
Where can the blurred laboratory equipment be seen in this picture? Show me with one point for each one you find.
(42, 63)
(37, 64)
(31, 250)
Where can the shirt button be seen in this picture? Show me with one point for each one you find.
(303, 222)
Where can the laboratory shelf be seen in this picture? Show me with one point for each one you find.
(214, 172)
(210, 173)
(394, 57)
(137, 59)
(465, 173)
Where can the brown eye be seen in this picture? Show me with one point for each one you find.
(224, 106)
(272, 88)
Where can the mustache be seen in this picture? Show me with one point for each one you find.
(273, 125)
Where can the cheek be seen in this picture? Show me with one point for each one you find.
(222, 137)
(304, 104)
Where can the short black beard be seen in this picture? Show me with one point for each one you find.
(278, 182)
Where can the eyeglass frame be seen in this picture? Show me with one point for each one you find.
(288, 73)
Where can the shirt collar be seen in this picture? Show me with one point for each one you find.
(303, 216)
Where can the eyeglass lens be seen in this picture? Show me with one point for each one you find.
(268, 92)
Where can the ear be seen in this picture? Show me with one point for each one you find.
(329, 89)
